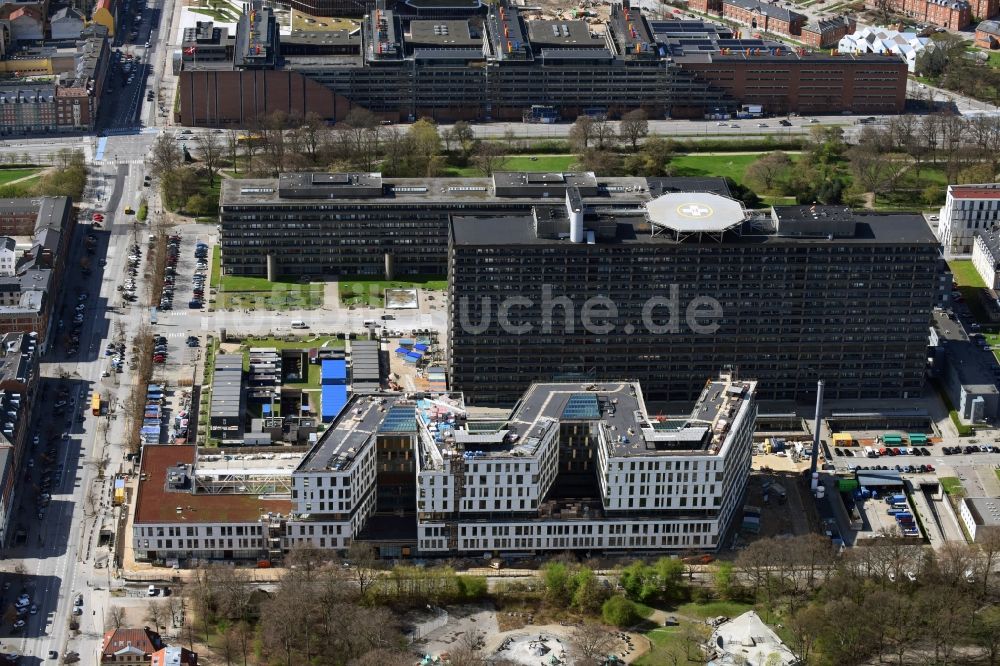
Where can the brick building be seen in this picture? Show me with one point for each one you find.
(805, 82)
(984, 9)
(826, 33)
(500, 71)
(951, 14)
(763, 16)
(988, 35)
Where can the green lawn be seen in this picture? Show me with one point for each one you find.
(308, 297)
(363, 291)
(519, 163)
(9, 175)
(304, 342)
(539, 162)
(213, 281)
(725, 166)
(669, 645)
(952, 486)
(965, 273)
(994, 60)
(244, 283)
(714, 609)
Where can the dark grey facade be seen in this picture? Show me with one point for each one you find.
(850, 306)
(362, 224)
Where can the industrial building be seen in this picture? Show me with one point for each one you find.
(501, 66)
(786, 295)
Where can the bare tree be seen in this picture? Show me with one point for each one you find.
(467, 649)
(592, 643)
(116, 617)
(603, 132)
(165, 156)
(884, 9)
(156, 614)
(871, 168)
(363, 560)
(634, 126)
(210, 151)
(272, 134)
(765, 172)
(581, 133)
(311, 135)
(489, 157)
(233, 148)
(228, 644)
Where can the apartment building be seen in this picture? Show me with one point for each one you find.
(448, 69)
(27, 295)
(967, 210)
(788, 296)
(67, 103)
(19, 354)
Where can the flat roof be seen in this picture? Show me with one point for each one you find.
(156, 504)
(410, 191)
(620, 410)
(869, 229)
(691, 212)
(985, 510)
(340, 444)
(981, 191)
(888, 478)
(443, 33)
(973, 365)
(565, 34)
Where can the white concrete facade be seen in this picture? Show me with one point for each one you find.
(967, 210)
(986, 262)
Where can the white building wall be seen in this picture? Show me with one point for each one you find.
(475, 536)
(328, 491)
(511, 483)
(199, 540)
(970, 522)
(985, 263)
(960, 219)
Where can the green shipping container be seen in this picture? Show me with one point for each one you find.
(847, 485)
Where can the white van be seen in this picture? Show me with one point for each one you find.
(869, 453)
(298, 323)
(370, 322)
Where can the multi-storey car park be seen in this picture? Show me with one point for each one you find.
(574, 466)
(786, 295)
(501, 66)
